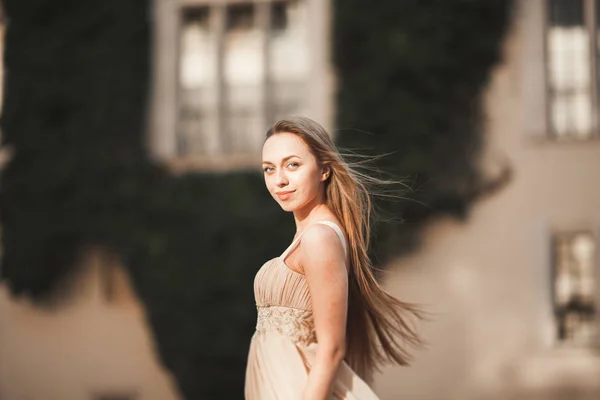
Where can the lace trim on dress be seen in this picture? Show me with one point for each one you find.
(296, 324)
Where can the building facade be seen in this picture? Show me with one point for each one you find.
(514, 291)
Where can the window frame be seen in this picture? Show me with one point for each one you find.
(589, 13)
(573, 229)
(164, 95)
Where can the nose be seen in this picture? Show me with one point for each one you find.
(281, 179)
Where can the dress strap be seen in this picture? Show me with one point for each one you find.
(337, 230)
(291, 246)
(330, 224)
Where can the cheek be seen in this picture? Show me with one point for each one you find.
(307, 182)
(269, 182)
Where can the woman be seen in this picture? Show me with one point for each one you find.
(324, 324)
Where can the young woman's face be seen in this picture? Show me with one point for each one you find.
(292, 174)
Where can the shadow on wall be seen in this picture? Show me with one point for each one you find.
(95, 344)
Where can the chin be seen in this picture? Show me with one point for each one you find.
(287, 207)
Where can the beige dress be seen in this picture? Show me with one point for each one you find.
(284, 345)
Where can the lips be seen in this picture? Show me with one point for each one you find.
(285, 194)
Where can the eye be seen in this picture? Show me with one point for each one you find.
(268, 169)
(293, 164)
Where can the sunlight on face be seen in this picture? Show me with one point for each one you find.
(292, 173)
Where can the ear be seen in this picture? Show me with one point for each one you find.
(325, 173)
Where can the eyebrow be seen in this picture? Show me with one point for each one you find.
(284, 160)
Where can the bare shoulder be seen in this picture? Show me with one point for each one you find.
(320, 235)
(321, 245)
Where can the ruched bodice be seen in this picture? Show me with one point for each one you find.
(284, 346)
(276, 284)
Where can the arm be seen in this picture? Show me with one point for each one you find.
(323, 261)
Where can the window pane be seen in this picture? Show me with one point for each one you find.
(243, 77)
(196, 131)
(569, 70)
(289, 57)
(574, 287)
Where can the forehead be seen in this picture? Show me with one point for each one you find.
(282, 145)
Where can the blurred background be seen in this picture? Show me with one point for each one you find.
(134, 215)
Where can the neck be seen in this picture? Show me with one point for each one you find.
(313, 211)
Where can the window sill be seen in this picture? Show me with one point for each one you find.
(211, 164)
(534, 139)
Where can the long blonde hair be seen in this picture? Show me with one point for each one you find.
(378, 327)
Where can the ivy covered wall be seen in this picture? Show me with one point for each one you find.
(411, 73)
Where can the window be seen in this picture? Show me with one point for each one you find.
(574, 255)
(572, 68)
(239, 66)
